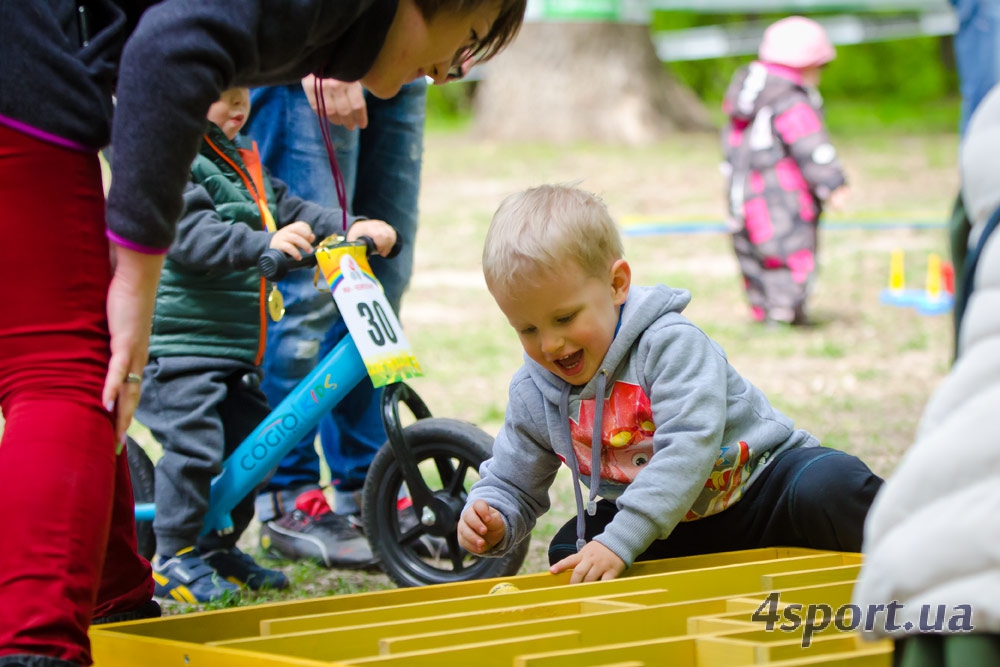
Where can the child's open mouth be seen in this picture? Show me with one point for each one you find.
(571, 364)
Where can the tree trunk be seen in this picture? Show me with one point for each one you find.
(603, 82)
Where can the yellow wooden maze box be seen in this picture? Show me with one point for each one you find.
(696, 611)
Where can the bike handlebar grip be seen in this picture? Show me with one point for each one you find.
(271, 264)
(370, 248)
(373, 249)
(275, 265)
(395, 249)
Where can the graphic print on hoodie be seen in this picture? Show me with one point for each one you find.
(627, 446)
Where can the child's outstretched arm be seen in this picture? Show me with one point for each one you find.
(594, 562)
(514, 482)
(288, 208)
(481, 528)
(206, 241)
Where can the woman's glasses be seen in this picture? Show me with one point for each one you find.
(461, 64)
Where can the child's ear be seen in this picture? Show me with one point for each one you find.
(621, 280)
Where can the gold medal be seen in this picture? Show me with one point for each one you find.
(275, 304)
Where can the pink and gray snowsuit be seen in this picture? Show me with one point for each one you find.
(781, 166)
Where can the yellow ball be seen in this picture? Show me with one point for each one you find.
(504, 587)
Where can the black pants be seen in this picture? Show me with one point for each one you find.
(948, 650)
(810, 497)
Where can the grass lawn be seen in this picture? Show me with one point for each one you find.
(858, 380)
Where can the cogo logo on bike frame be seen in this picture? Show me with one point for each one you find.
(272, 436)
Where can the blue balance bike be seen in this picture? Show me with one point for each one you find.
(416, 485)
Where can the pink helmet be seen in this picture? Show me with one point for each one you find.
(796, 42)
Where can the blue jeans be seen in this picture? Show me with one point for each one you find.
(381, 167)
(977, 52)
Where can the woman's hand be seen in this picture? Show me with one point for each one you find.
(131, 296)
(381, 232)
(344, 102)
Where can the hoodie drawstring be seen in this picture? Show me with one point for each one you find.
(595, 456)
(574, 469)
(595, 441)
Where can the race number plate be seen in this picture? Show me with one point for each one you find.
(370, 319)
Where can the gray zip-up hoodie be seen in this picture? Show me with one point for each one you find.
(682, 435)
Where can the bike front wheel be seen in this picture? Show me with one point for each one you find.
(140, 469)
(448, 453)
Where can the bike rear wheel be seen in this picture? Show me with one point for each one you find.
(414, 552)
(140, 469)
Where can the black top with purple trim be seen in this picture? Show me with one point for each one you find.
(167, 62)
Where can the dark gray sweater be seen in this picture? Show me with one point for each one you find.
(171, 61)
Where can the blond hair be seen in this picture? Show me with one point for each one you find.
(534, 232)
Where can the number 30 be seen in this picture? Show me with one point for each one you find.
(379, 328)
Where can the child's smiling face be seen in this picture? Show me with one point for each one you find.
(566, 320)
(231, 111)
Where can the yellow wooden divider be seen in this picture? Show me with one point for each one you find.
(693, 611)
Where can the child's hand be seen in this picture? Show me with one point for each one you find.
(378, 230)
(838, 198)
(290, 238)
(480, 528)
(594, 562)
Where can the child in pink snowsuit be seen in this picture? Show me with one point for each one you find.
(781, 167)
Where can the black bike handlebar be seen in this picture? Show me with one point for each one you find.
(275, 265)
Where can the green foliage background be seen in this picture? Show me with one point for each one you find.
(901, 86)
(904, 85)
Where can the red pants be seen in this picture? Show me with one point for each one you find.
(67, 531)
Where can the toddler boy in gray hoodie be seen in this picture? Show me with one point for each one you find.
(689, 456)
